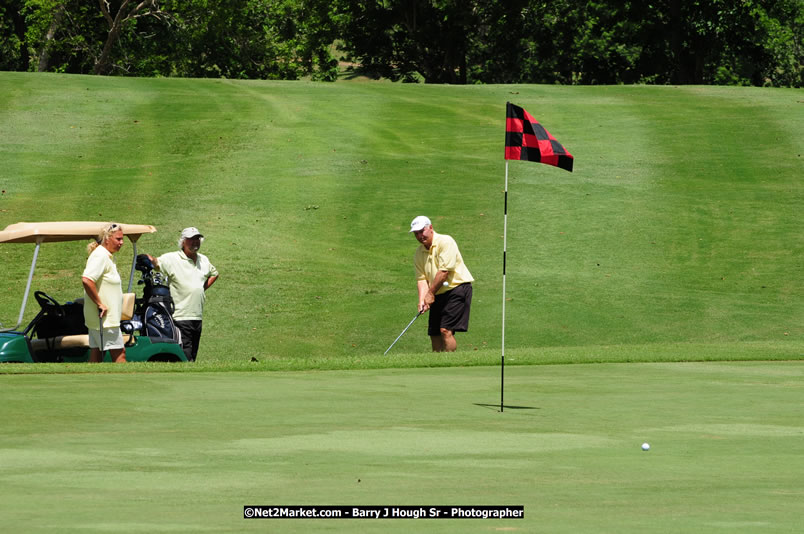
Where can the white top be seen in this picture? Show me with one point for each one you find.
(186, 280)
(102, 269)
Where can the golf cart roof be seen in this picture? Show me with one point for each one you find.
(44, 232)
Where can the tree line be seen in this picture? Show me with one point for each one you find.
(725, 42)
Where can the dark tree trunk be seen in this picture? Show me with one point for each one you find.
(44, 53)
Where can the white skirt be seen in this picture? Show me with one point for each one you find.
(112, 339)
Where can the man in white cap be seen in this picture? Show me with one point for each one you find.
(189, 274)
(444, 284)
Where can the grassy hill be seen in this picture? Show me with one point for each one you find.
(677, 237)
(679, 229)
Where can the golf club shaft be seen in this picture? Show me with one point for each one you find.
(100, 323)
(403, 333)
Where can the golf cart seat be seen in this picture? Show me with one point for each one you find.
(127, 310)
(128, 306)
(77, 341)
(81, 341)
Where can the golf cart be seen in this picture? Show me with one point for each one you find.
(58, 334)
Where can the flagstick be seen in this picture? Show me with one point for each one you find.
(523, 143)
(505, 246)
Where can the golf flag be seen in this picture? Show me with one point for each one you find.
(526, 139)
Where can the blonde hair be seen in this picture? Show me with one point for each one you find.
(106, 233)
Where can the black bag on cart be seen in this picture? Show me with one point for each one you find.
(154, 312)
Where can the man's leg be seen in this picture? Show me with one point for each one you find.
(448, 342)
(187, 334)
(196, 338)
(455, 316)
(433, 324)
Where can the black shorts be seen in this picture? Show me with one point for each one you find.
(451, 310)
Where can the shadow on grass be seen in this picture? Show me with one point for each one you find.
(506, 407)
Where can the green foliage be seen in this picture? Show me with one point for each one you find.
(782, 25)
(756, 42)
(288, 39)
(249, 39)
(578, 42)
(12, 36)
(399, 39)
(63, 35)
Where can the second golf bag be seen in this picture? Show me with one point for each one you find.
(153, 314)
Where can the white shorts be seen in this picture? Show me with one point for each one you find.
(112, 339)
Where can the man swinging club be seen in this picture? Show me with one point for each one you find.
(444, 284)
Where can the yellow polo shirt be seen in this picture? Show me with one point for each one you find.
(102, 269)
(186, 280)
(443, 255)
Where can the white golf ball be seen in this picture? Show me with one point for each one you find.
(445, 283)
(646, 446)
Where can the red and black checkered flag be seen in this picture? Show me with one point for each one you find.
(527, 140)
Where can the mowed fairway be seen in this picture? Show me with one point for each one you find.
(185, 452)
(676, 239)
(681, 222)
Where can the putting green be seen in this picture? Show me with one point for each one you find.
(185, 452)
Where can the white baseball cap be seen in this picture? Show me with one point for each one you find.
(190, 232)
(419, 223)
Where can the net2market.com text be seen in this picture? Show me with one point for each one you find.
(383, 512)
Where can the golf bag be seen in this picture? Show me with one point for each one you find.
(153, 314)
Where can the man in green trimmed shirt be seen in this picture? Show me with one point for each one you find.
(444, 284)
(189, 274)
